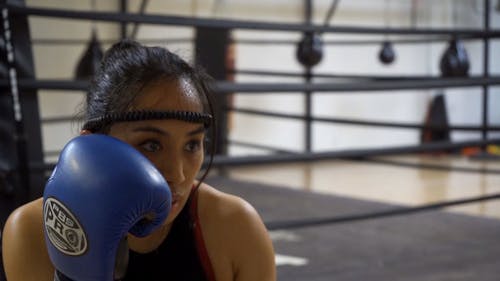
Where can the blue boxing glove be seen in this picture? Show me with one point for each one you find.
(100, 189)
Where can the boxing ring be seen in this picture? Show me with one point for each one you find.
(316, 236)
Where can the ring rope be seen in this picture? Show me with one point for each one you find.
(366, 123)
(303, 223)
(223, 87)
(160, 19)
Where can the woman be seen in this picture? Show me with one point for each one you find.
(208, 235)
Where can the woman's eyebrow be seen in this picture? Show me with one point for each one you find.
(196, 131)
(159, 131)
(151, 129)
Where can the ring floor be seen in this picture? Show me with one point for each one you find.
(388, 183)
(459, 243)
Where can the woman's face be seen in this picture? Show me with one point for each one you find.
(175, 147)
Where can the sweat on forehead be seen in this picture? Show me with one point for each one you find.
(169, 94)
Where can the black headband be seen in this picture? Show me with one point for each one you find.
(96, 124)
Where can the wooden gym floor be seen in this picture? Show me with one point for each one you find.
(390, 183)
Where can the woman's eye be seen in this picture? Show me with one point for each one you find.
(151, 146)
(193, 146)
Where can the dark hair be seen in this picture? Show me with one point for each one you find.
(127, 67)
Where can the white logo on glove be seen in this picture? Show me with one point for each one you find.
(63, 229)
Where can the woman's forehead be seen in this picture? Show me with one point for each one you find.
(171, 94)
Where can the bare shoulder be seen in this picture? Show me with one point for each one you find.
(26, 215)
(23, 244)
(229, 213)
(224, 205)
(234, 230)
(24, 223)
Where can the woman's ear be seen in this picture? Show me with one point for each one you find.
(85, 132)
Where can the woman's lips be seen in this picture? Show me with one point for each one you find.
(176, 199)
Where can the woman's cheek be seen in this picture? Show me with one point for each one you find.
(194, 164)
(154, 159)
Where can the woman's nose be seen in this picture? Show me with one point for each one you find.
(173, 171)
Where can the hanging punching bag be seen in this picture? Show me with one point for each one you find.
(310, 49)
(455, 61)
(90, 60)
(387, 54)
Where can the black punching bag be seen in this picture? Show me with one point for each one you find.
(387, 54)
(310, 49)
(90, 60)
(455, 62)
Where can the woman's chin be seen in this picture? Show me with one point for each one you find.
(175, 209)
